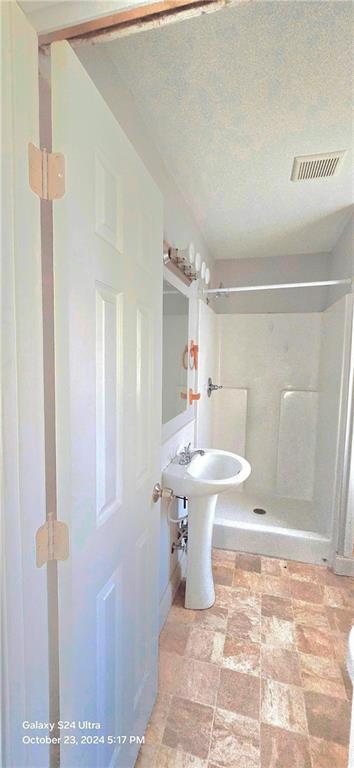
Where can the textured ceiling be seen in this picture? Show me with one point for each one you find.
(230, 98)
(31, 6)
(46, 15)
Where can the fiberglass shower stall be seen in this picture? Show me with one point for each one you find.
(283, 406)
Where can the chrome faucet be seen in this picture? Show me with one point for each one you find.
(186, 456)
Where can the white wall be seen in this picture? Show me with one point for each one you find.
(273, 270)
(267, 355)
(208, 366)
(283, 269)
(342, 261)
(179, 225)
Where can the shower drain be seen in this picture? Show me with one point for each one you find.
(260, 511)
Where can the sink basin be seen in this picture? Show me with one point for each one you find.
(213, 473)
(201, 481)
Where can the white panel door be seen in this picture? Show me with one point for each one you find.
(108, 315)
(24, 652)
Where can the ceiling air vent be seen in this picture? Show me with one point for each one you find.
(307, 167)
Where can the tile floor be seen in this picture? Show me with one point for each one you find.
(259, 679)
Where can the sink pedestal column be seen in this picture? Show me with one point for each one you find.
(200, 591)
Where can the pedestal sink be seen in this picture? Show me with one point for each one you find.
(201, 481)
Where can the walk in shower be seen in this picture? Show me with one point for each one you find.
(284, 375)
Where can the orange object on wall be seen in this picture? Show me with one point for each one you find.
(193, 396)
(190, 354)
(194, 354)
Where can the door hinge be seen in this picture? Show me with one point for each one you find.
(46, 173)
(52, 542)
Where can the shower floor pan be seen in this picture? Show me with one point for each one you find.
(286, 530)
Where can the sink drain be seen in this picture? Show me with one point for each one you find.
(260, 511)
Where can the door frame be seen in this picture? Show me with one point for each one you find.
(139, 17)
(47, 249)
(23, 588)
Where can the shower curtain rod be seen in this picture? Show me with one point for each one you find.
(277, 286)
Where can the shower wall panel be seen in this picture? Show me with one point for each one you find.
(268, 355)
(229, 432)
(331, 409)
(297, 444)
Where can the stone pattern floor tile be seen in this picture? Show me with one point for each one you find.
(281, 665)
(275, 585)
(249, 562)
(307, 572)
(235, 740)
(340, 619)
(322, 675)
(214, 618)
(277, 632)
(239, 693)
(247, 580)
(199, 681)
(259, 680)
(273, 566)
(314, 641)
(224, 557)
(147, 756)
(241, 655)
(306, 591)
(281, 607)
(157, 722)
(328, 717)
(174, 637)
(170, 670)
(177, 758)
(311, 615)
(326, 754)
(245, 624)
(188, 727)
(346, 680)
(283, 706)
(283, 749)
(340, 641)
(223, 574)
(205, 645)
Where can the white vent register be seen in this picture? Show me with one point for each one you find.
(307, 167)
